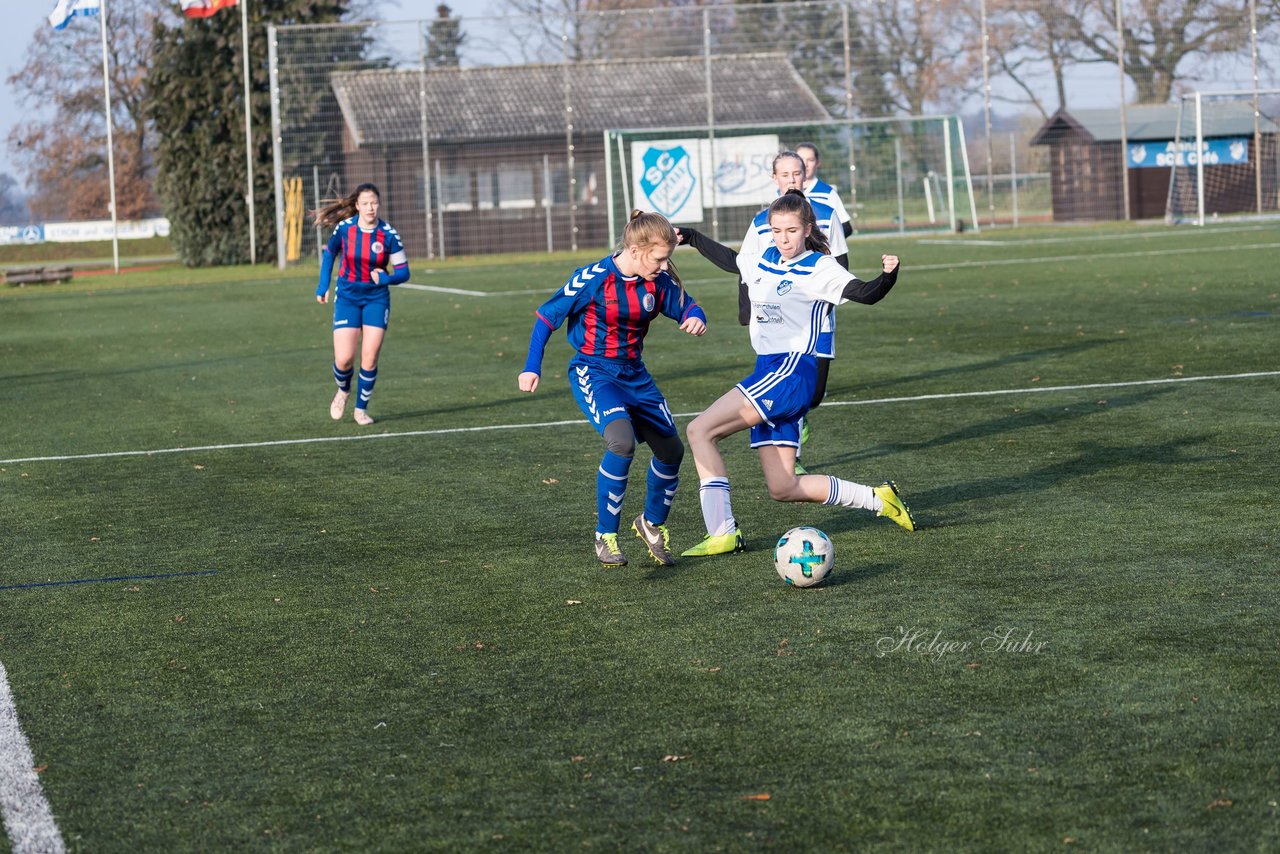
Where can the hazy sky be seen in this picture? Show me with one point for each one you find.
(21, 20)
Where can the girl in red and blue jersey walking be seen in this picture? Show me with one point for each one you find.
(609, 306)
(370, 258)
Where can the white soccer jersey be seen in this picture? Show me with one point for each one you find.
(821, 191)
(790, 299)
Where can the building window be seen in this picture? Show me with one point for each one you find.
(454, 190)
(515, 186)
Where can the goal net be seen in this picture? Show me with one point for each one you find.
(893, 175)
(1223, 159)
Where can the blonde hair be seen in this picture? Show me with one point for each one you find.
(794, 202)
(646, 229)
(339, 209)
(788, 153)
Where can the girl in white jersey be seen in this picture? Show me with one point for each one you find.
(793, 285)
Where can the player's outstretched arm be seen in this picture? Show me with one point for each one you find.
(717, 253)
(870, 293)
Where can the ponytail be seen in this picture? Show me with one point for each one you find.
(339, 209)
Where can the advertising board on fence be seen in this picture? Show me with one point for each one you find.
(21, 234)
(679, 178)
(1214, 152)
(83, 232)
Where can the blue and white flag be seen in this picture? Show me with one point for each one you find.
(68, 9)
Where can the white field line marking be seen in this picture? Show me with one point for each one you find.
(1004, 262)
(1033, 241)
(439, 290)
(27, 817)
(987, 262)
(960, 241)
(449, 430)
(1081, 387)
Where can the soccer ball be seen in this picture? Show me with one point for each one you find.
(804, 556)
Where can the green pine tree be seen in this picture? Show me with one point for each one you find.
(196, 100)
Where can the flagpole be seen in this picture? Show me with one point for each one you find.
(111, 161)
(248, 132)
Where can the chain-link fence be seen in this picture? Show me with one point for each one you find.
(493, 134)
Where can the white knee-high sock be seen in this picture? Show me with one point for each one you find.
(713, 494)
(846, 493)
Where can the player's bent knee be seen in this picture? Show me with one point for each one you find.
(667, 449)
(620, 438)
(786, 490)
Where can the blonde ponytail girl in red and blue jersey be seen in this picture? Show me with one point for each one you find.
(370, 258)
(608, 307)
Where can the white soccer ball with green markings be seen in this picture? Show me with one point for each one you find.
(804, 556)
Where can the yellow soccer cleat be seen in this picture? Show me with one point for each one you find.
(607, 551)
(722, 545)
(894, 507)
(656, 538)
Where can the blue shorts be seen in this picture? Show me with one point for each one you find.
(354, 311)
(781, 389)
(607, 390)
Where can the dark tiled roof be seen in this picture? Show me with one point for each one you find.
(528, 101)
(1154, 122)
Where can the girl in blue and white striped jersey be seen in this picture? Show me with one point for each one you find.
(608, 306)
(370, 257)
(793, 285)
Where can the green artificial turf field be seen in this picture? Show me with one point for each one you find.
(290, 633)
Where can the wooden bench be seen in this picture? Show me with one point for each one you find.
(37, 275)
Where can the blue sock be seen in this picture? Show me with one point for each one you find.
(342, 378)
(611, 486)
(663, 480)
(368, 376)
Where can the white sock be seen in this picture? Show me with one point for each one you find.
(846, 493)
(713, 494)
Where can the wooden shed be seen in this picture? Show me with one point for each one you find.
(497, 138)
(1086, 164)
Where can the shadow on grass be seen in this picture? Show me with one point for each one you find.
(1091, 458)
(67, 375)
(976, 367)
(842, 575)
(1045, 416)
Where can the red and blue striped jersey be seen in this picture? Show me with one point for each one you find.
(359, 252)
(609, 314)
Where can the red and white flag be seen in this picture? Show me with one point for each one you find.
(204, 8)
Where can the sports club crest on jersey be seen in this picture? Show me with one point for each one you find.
(784, 287)
(377, 247)
(648, 302)
(667, 178)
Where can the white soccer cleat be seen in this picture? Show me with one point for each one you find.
(363, 417)
(339, 405)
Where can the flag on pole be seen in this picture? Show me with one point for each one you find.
(68, 9)
(204, 8)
